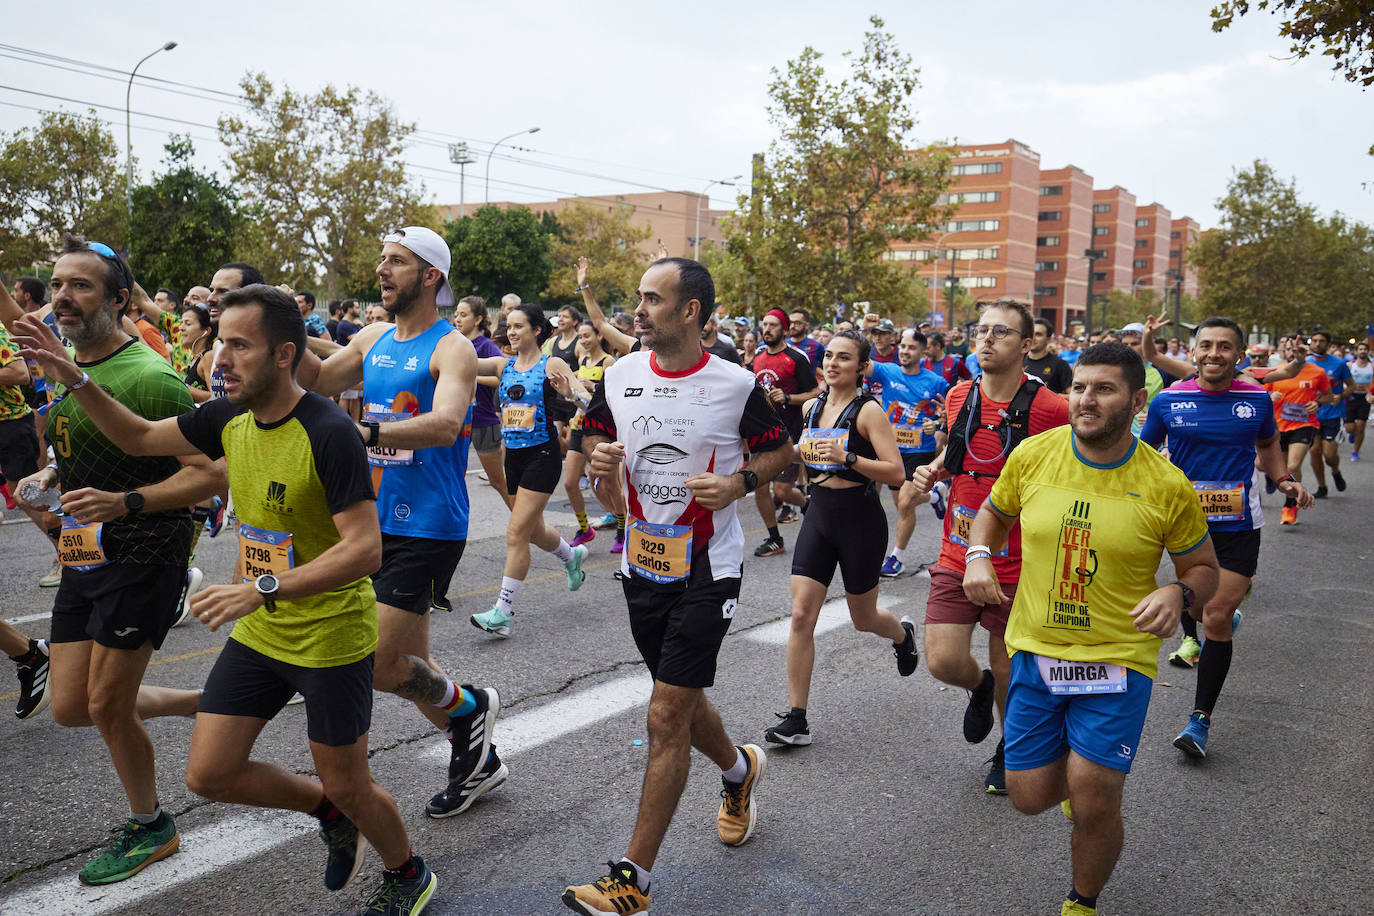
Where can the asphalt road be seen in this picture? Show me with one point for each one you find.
(883, 814)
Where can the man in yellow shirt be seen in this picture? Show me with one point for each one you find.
(1096, 509)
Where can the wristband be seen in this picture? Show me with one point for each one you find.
(582, 288)
(1286, 478)
(976, 547)
(53, 467)
(84, 379)
(977, 555)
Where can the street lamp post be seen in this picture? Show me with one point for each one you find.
(459, 155)
(128, 136)
(935, 273)
(696, 235)
(487, 193)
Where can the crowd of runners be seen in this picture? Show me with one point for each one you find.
(335, 452)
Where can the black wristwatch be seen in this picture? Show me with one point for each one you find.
(751, 480)
(267, 586)
(1188, 595)
(849, 459)
(133, 502)
(374, 431)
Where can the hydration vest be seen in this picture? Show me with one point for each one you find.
(1012, 429)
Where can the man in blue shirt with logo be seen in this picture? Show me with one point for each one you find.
(1330, 416)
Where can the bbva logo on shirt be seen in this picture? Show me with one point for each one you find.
(383, 361)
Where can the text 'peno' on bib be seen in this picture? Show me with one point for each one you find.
(262, 551)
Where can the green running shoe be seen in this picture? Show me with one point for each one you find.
(495, 621)
(1188, 651)
(136, 847)
(401, 896)
(574, 568)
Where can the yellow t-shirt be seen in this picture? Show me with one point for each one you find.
(1091, 540)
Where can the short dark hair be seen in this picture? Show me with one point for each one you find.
(916, 335)
(1323, 332)
(248, 274)
(1027, 328)
(860, 341)
(347, 304)
(1116, 354)
(535, 316)
(1219, 321)
(117, 273)
(35, 289)
(171, 294)
(281, 318)
(335, 307)
(802, 312)
(1046, 324)
(308, 296)
(936, 339)
(693, 282)
(478, 306)
(572, 310)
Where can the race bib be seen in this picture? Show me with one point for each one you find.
(1079, 678)
(907, 436)
(79, 546)
(262, 551)
(1294, 413)
(380, 456)
(515, 415)
(659, 553)
(1222, 500)
(810, 447)
(961, 521)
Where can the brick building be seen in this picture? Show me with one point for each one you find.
(1183, 233)
(1114, 237)
(1150, 258)
(1063, 233)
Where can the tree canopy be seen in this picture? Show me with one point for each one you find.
(609, 241)
(498, 251)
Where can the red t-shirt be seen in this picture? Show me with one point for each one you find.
(966, 494)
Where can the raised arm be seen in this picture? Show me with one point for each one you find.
(619, 342)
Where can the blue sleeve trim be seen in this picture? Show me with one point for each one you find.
(1190, 549)
(998, 509)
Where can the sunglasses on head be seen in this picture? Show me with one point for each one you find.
(105, 251)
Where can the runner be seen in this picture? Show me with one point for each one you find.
(1217, 427)
(198, 336)
(617, 341)
(470, 317)
(682, 568)
(592, 362)
(911, 397)
(125, 541)
(799, 337)
(786, 377)
(307, 620)
(1043, 364)
(946, 365)
(1357, 404)
(533, 462)
(1011, 406)
(849, 448)
(881, 337)
(1296, 402)
(1096, 511)
(1330, 414)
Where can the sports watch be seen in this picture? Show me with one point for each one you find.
(1188, 595)
(374, 431)
(849, 459)
(267, 586)
(751, 480)
(133, 502)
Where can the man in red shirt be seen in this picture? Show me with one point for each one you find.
(1295, 409)
(786, 377)
(950, 367)
(1010, 407)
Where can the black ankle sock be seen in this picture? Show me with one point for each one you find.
(1212, 667)
(29, 657)
(1189, 624)
(1290, 503)
(774, 534)
(326, 811)
(797, 712)
(409, 869)
(200, 514)
(1086, 901)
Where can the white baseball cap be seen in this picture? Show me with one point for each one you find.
(427, 244)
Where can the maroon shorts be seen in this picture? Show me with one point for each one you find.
(948, 604)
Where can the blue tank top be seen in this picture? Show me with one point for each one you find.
(421, 492)
(524, 420)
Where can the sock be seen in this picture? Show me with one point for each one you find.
(900, 554)
(642, 875)
(509, 589)
(620, 525)
(1090, 902)
(582, 520)
(326, 811)
(1212, 667)
(1290, 503)
(774, 534)
(200, 515)
(740, 770)
(456, 701)
(29, 657)
(407, 869)
(797, 712)
(562, 551)
(147, 820)
(1189, 624)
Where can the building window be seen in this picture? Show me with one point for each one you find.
(1172, 274)
(977, 168)
(1142, 223)
(974, 225)
(1047, 241)
(1175, 252)
(1140, 263)
(1102, 230)
(977, 282)
(1102, 208)
(1046, 265)
(1099, 276)
(1142, 243)
(972, 254)
(1047, 290)
(1051, 216)
(970, 197)
(1052, 190)
(1175, 235)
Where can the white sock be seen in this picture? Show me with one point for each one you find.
(642, 875)
(899, 553)
(562, 551)
(509, 589)
(146, 819)
(740, 770)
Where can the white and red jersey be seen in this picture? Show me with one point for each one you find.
(675, 425)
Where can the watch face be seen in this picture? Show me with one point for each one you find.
(267, 583)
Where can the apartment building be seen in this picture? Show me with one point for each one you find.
(1113, 239)
(1150, 257)
(1183, 233)
(1063, 232)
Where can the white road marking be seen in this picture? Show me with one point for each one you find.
(29, 618)
(834, 613)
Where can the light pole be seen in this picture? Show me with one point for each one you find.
(486, 196)
(935, 274)
(458, 154)
(128, 136)
(696, 235)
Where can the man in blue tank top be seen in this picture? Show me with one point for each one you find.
(418, 376)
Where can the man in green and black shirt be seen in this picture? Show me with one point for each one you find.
(123, 545)
(304, 605)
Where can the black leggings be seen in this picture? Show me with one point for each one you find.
(844, 527)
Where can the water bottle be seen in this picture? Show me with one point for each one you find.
(50, 499)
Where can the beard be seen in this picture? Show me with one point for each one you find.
(405, 298)
(1112, 427)
(93, 329)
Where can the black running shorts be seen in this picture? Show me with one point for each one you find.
(538, 468)
(845, 528)
(1356, 409)
(416, 572)
(910, 462)
(679, 633)
(1331, 428)
(1303, 435)
(1238, 551)
(338, 700)
(120, 606)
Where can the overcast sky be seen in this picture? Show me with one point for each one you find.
(673, 95)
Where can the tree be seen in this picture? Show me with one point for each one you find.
(185, 223)
(323, 180)
(838, 186)
(62, 176)
(498, 251)
(609, 241)
(1342, 30)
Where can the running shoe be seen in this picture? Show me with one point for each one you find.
(401, 896)
(584, 482)
(618, 545)
(1075, 908)
(1270, 487)
(347, 849)
(583, 536)
(1320, 494)
(770, 548)
(907, 656)
(574, 569)
(787, 515)
(136, 847)
(1237, 618)
(1188, 651)
(1354, 455)
(978, 713)
(735, 820)
(791, 730)
(296, 699)
(195, 581)
(1193, 739)
(458, 797)
(33, 682)
(617, 894)
(1066, 808)
(53, 577)
(1289, 516)
(471, 735)
(891, 568)
(495, 621)
(939, 499)
(996, 781)
(606, 521)
(1339, 480)
(215, 523)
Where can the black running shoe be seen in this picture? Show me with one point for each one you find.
(1320, 494)
(996, 783)
(907, 656)
(791, 730)
(1340, 481)
(472, 735)
(347, 849)
(401, 896)
(33, 681)
(978, 713)
(770, 548)
(458, 797)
